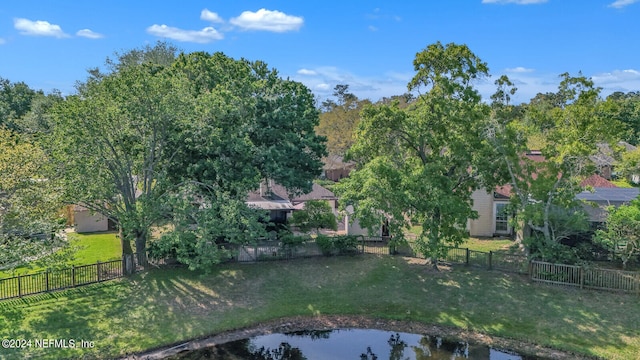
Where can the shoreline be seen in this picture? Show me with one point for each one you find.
(331, 322)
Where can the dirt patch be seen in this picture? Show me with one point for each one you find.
(292, 324)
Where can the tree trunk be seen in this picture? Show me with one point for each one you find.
(141, 248)
(128, 266)
(434, 239)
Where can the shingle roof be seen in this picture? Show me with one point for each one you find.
(610, 195)
(597, 181)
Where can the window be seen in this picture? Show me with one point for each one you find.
(501, 218)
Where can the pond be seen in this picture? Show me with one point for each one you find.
(356, 344)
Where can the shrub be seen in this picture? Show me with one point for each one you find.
(346, 244)
(325, 244)
(343, 244)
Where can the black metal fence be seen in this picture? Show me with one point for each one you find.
(53, 280)
(74, 276)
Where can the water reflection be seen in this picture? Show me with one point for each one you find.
(349, 344)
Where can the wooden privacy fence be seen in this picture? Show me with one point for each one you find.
(585, 277)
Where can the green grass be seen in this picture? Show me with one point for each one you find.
(96, 247)
(92, 247)
(476, 244)
(169, 306)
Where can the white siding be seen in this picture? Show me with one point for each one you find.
(483, 204)
(87, 222)
(354, 228)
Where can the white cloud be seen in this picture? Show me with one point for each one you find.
(86, 33)
(517, 2)
(2, 41)
(210, 16)
(619, 4)
(617, 78)
(203, 36)
(38, 28)
(267, 20)
(325, 78)
(373, 28)
(518, 69)
(307, 72)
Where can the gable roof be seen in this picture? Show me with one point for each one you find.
(597, 181)
(278, 197)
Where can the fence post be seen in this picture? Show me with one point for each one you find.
(19, 287)
(98, 270)
(47, 279)
(466, 259)
(490, 256)
(73, 276)
(581, 277)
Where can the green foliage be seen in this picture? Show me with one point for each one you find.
(316, 215)
(569, 125)
(341, 244)
(622, 233)
(325, 244)
(30, 201)
(15, 102)
(420, 164)
(158, 130)
(339, 119)
(550, 251)
(625, 108)
(630, 164)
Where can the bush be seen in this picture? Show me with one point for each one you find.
(344, 244)
(325, 244)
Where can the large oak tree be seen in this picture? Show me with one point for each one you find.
(419, 165)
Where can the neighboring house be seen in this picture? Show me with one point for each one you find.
(273, 198)
(598, 199)
(605, 159)
(86, 220)
(493, 219)
(335, 168)
(352, 226)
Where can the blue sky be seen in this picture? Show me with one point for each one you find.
(369, 45)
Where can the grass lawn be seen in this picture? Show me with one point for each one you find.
(476, 244)
(168, 306)
(92, 247)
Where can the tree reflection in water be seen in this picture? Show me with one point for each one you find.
(340, 343)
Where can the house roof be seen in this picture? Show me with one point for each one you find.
(318, 192)
(278, 198)
(333, 162)
(597, 181)
(600, 198)
(612, 196)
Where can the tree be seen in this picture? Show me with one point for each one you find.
(181, 145)
(421, 164)
(15, 102)
(570, 125)
(29, 201)
(339, 119)
(112, 146)
(316, 215)
(622, 233)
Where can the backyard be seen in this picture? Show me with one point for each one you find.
(170, 306)
(88, 249)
